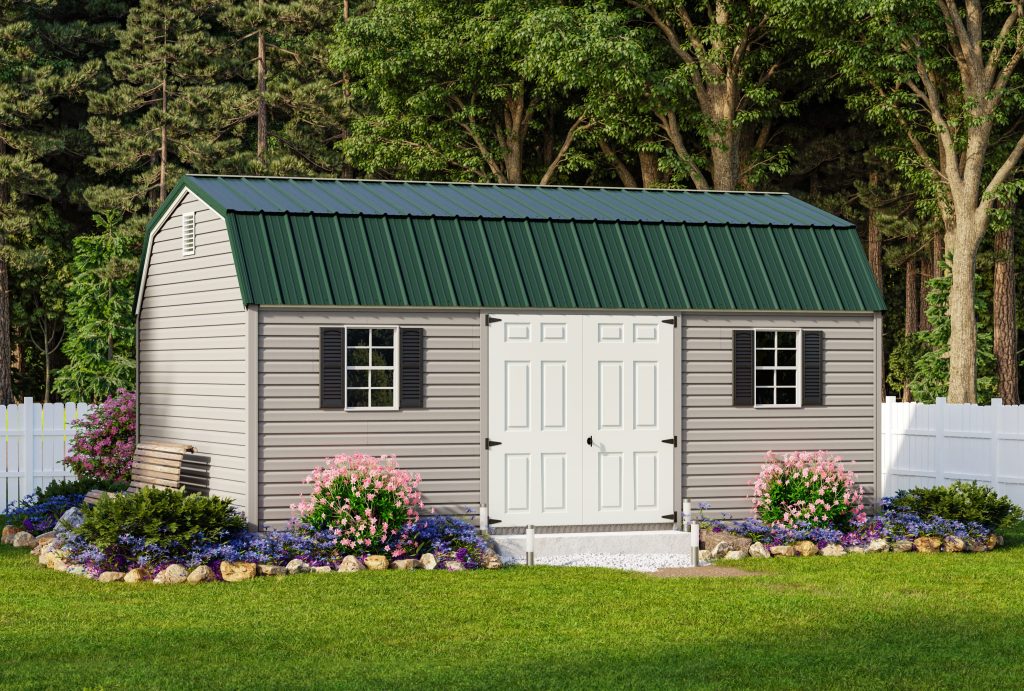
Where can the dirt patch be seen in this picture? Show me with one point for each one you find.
(704, 572)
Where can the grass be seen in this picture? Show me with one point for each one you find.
(861, 621)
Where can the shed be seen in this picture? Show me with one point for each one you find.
(569, 357)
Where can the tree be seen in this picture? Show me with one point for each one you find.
(445, 92)
(167, 108)
(1004, 313)
(101, 332)
(942, 78)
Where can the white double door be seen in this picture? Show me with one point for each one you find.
(580, 419)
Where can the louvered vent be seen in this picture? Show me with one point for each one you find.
(188, 234)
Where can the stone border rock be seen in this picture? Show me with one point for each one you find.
(726, 546)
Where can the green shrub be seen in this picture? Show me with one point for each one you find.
(960, 501)
(61, 488)
(169, 519)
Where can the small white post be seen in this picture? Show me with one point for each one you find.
(687, 511)
(695, 544)
(529, 545)
(997, 413)
(484, 521)
(940, 441)
(28, 456)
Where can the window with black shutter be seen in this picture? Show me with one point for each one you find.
(743, 368)
(332, 368)
(371, 368)
(778, 368)
(813, 368)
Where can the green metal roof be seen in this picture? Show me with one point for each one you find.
(401, 244)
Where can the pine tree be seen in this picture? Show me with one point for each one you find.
(167, 110)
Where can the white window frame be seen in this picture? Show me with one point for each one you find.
(188, 234)
(799, 368)
(369, 369)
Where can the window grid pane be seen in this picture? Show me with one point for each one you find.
(370, 367)
(775, 368)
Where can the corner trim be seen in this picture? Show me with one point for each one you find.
(252, 366)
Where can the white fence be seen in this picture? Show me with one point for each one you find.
(926, 445)
(35, 438)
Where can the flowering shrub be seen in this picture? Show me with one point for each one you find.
(448, 539)
(805, 488)
(105, 442)
(366, 501)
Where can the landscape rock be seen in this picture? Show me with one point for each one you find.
(351, 563)
(735, 554)
(9, 531)
(927, 544)
(136, 575)
(953, 544)
(856, 549)
(759, 551)
(58, 564)
(110, 576)
(72, 518)
(878, 545)
(428, 561)
(49, 534)
(322, 569)
(271, 570)
(703, 556)
(454, 565)
(805, 548)
(172, 575)
(721, 549)
(77, 570)
(376, 562)
(202, 574)
(833, 551)
(24, 539)
(491, 560)
(902, 546)
(976, 546)
(234, 571)
(993, 541)
(406, 564)
(783, 551)
(296, 566)
(710, 539)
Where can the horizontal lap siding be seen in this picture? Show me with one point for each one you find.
(441, 442)
(192, 349)
(724, 446)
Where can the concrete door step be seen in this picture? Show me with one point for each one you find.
(513, 547)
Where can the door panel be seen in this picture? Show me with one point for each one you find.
(628, 370)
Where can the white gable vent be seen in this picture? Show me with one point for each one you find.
(188, 234)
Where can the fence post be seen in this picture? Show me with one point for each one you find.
(28, 458)
(888, 446)
(940, 441)
(997, 413)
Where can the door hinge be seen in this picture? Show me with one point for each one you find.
(674, 441)
(671, 516)
(492, 320)
(674, 321)
(488, 443)
(492, 521)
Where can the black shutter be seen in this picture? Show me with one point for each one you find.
(332, 368)
(813, 362)
(410, 369)
(743, 368)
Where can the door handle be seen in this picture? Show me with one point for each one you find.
(590, 441)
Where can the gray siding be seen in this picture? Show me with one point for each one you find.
(441, 442)
(192, 357)
(723, 446)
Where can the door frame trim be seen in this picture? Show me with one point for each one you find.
(677, 395)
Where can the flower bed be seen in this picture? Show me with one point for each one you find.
(362, 514)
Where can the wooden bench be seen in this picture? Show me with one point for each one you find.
(156, 464)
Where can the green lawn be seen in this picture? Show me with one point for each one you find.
(866, 621)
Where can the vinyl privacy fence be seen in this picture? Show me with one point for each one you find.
(926, 445)
(35, 438)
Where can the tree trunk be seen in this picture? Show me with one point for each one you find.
(963, 328)
(934, 270)
(261, 98)
(874, 236)
(649, 173)
(725, 159)
(1004, 320)
(910, 317)
(163, 125)
(6, 386)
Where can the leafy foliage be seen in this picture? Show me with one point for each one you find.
(806, 488)
(967, 502)
(104, 443)
(368, 502)
(449, 539)
(171, 521)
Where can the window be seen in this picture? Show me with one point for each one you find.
(370, 372)
(188, 234)
(776, 370)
